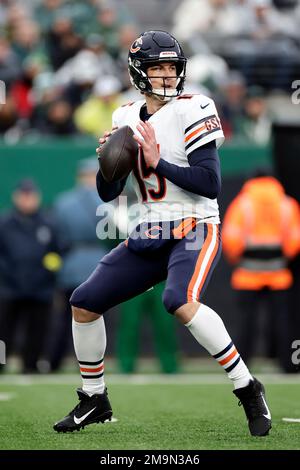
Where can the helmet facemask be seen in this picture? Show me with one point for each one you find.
(166, 93)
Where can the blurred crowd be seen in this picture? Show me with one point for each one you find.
(52, 252)
(64, 62)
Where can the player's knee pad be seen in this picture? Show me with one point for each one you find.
(80, 297)
(172, 299)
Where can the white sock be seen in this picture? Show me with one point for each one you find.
(209, 330)
(90, 344)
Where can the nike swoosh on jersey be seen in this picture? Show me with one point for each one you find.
(79, 420)
(203, 107)
(268, 415)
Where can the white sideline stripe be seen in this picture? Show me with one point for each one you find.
(6, 396)
(291, 420)
(142, 379)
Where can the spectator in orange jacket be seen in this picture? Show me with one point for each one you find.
(261, 234)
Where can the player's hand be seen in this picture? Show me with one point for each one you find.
(148, 143)
(103, 139)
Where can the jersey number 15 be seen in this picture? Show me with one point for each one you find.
(142, 172)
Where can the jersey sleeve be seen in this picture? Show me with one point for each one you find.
(201, 123)
(120, 114)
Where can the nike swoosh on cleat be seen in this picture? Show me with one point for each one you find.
(79, 420)
(268, 415)
(203, 107)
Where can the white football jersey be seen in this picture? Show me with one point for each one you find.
(182, 125)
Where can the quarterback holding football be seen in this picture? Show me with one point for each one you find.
(176, 176)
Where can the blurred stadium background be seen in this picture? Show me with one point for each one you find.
(64, 66)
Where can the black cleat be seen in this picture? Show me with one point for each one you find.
(89, 410)
(253, 400)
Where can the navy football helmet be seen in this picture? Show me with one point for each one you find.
(149, 49)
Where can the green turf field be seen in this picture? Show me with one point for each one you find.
(150, 416)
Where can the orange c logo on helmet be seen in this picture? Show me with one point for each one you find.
(136, 45)
(134, 49)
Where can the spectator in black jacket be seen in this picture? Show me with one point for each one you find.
(29, 259)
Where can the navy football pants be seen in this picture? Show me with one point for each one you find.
(185, 264)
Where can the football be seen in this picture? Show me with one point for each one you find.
(118, 155)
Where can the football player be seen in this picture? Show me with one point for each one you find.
(177, 180)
